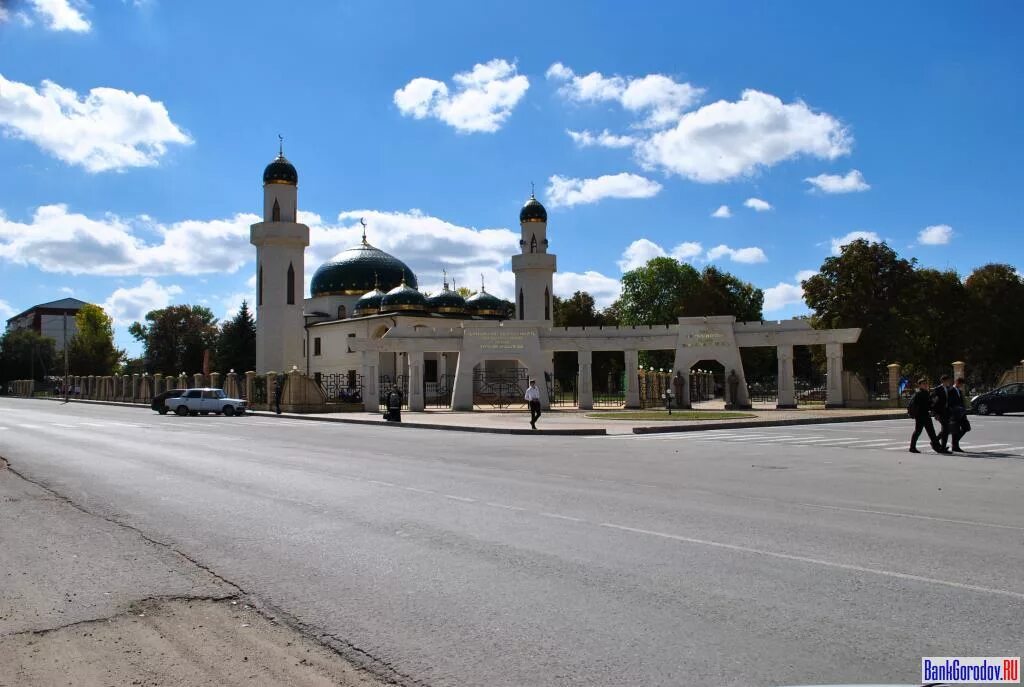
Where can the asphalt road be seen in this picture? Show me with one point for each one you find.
(790, 555)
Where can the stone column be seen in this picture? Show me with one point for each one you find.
(198, 380)
(416, 401)
(215, 380)
(462, 390)
(632, 363)
(442, 369)
(895, 371)
(126, 388)
(834, 391)
(183, 381)
(371, 396)
(958, 370)
(250, 389)
(136, 391)
(231, 384)
(784, 381)
(585, 380)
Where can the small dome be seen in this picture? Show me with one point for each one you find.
(487, 305)
(403, 298)
(533, 211)
(280, 171)
(368, 304)
(447, 302)
(360, 269)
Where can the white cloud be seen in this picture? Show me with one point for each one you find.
(6, 310)
(749, 255)
(605, 139)
(483, 98)
(604, 289)
(56, 240)
(726, 140)
(232, 303)
(757, 205)
(723, 212)
(60, 15)
(852, 182)
(935, 235)
(127, 305)
(869, 236)
(107, 129)
(564, 191)
(658, 97)
(782, 295)
(641, 251)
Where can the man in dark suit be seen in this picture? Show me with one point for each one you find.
(920, 409)
(941, 407)
(959, 424)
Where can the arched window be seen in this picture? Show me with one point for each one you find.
(341, 312)
(259, 285)
(533, 244)
(291, 284)
(522, 315)
(275, 214)
(547, 304)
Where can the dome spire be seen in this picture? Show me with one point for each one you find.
(444, 273)
(280, 145)
(483, 287)
(362, 220)
(532, 190)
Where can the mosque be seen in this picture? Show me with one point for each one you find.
(366, 325)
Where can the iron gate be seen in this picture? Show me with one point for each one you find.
(500, 390)
(400, 382)
(563, 391)
(438, 394)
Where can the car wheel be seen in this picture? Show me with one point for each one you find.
(181, 410)
(229, 410)
(162, 411)
(983, 409)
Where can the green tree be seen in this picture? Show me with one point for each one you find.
(579, 310)
(176, 338)
(25, 354)
(91, 350)
(868, 286)
(236, 342)
(994, 320)
(658, 292)
(722, 293)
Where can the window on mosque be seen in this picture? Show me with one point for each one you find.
(291, 284)
(341, 312)
(316, 346)
(275, 214)
(259, 286)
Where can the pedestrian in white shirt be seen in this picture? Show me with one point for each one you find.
(533, 398)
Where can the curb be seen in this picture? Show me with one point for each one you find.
(766, 423)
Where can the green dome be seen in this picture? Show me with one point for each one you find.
(280, 171)
(368, 303)
(487, 305)
(447, 303)
(533, 211)
(403, 298)
(358, 270)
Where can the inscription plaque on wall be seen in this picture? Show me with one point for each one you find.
(497, 340)
(706, 338)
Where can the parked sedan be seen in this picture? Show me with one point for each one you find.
(204, 402)
(159, 401)
(1005, 399)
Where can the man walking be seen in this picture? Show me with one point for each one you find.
(959, 424)
(941, 405)
(277, 394)
(919, 409)
(533, 398)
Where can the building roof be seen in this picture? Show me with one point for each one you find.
(71, 305)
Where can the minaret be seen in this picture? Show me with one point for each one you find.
(280, 247)
(534, 267)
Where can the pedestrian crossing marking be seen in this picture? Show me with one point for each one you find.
(30, 426)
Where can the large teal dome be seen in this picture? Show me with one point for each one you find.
(447, 302)
(358, 270)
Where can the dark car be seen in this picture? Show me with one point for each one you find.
(1005, 399)
(158, 403)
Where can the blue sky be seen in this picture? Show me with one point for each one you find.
(134, 135)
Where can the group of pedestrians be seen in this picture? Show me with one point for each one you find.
(946, 403)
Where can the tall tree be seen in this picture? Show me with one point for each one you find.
(25, 354)
(176, 338)
(580, 310)
(658, 292)
(994, 317)
(236, 342)
(91, 350)
(868, 286)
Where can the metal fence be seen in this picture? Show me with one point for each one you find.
(438, 394)
(341, 387)
(501, 390)
(387, 383)
(763, 390)
(563, 391)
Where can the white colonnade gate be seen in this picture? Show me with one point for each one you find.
(533, 344)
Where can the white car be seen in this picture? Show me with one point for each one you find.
(205, 401)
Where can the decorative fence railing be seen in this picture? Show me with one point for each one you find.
(387, 383)
(500, 390)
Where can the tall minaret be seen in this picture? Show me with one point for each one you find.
(534, 267)
(280, 246)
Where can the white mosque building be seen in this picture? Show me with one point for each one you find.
(366, 324)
